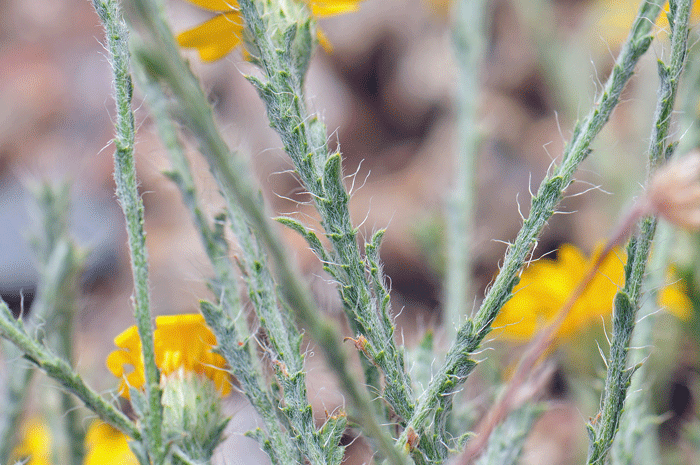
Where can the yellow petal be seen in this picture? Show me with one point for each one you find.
(128, 339)
(115, 362)
(35, 443)
(547, 284)
(331, 8)
(105, 445)
(323, 41)
(215, 38)
(674, 298)
(181, 342)
(216, 5)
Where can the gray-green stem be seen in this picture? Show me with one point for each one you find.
(60, 264)
(284, 338)
(227, 319)
(469, 37)
(626, 306)
(161, 59)
(458, 363)
(117, 38)
(285, 345)
(58, 369)
(636, 442)
(304, 138)
(18, 376)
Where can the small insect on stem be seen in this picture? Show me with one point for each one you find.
(281, 368)
(412, 439)
(361, 344)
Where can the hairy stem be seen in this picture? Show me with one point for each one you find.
(227, 320)
(161, 59)
(58, 369)
(470, 46)
(458, 363)
(626, 306)
(304, 138)
(117, 37)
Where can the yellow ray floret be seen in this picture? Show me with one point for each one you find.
(106, 445)
(181, 342)
(616, 18)
(35, 446)
(545, 286)
(216, 5)
(214, 38)
(332, 8)
(218, 36)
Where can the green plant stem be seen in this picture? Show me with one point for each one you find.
(304, 138)
(669, 79)
(58, 369)
(636, 442)
(285, 345)
(619, 376)
(14, 395)
(162, 61)
(506, 443)
(59, 265)
(273, 440)
(458, 363)
(226, 320)
(469, 37)
(117, 37)
(67, 427)
(224, 285)
(689, 118)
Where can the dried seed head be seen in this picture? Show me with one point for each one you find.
(674, 192)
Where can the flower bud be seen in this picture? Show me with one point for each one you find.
(192, 416)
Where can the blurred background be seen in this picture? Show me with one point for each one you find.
(386, 94)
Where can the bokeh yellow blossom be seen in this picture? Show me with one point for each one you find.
(106, 445)
(616, 18)
(218, 36)
(440, 8)
(182, 342)
(546, 285)
(35, 446)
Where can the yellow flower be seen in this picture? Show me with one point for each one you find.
(182, 343)
(106, 445)
(216, 37)
(35, 445)
(616, 18)
(546, 284)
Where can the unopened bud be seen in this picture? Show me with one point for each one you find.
(192, 415)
